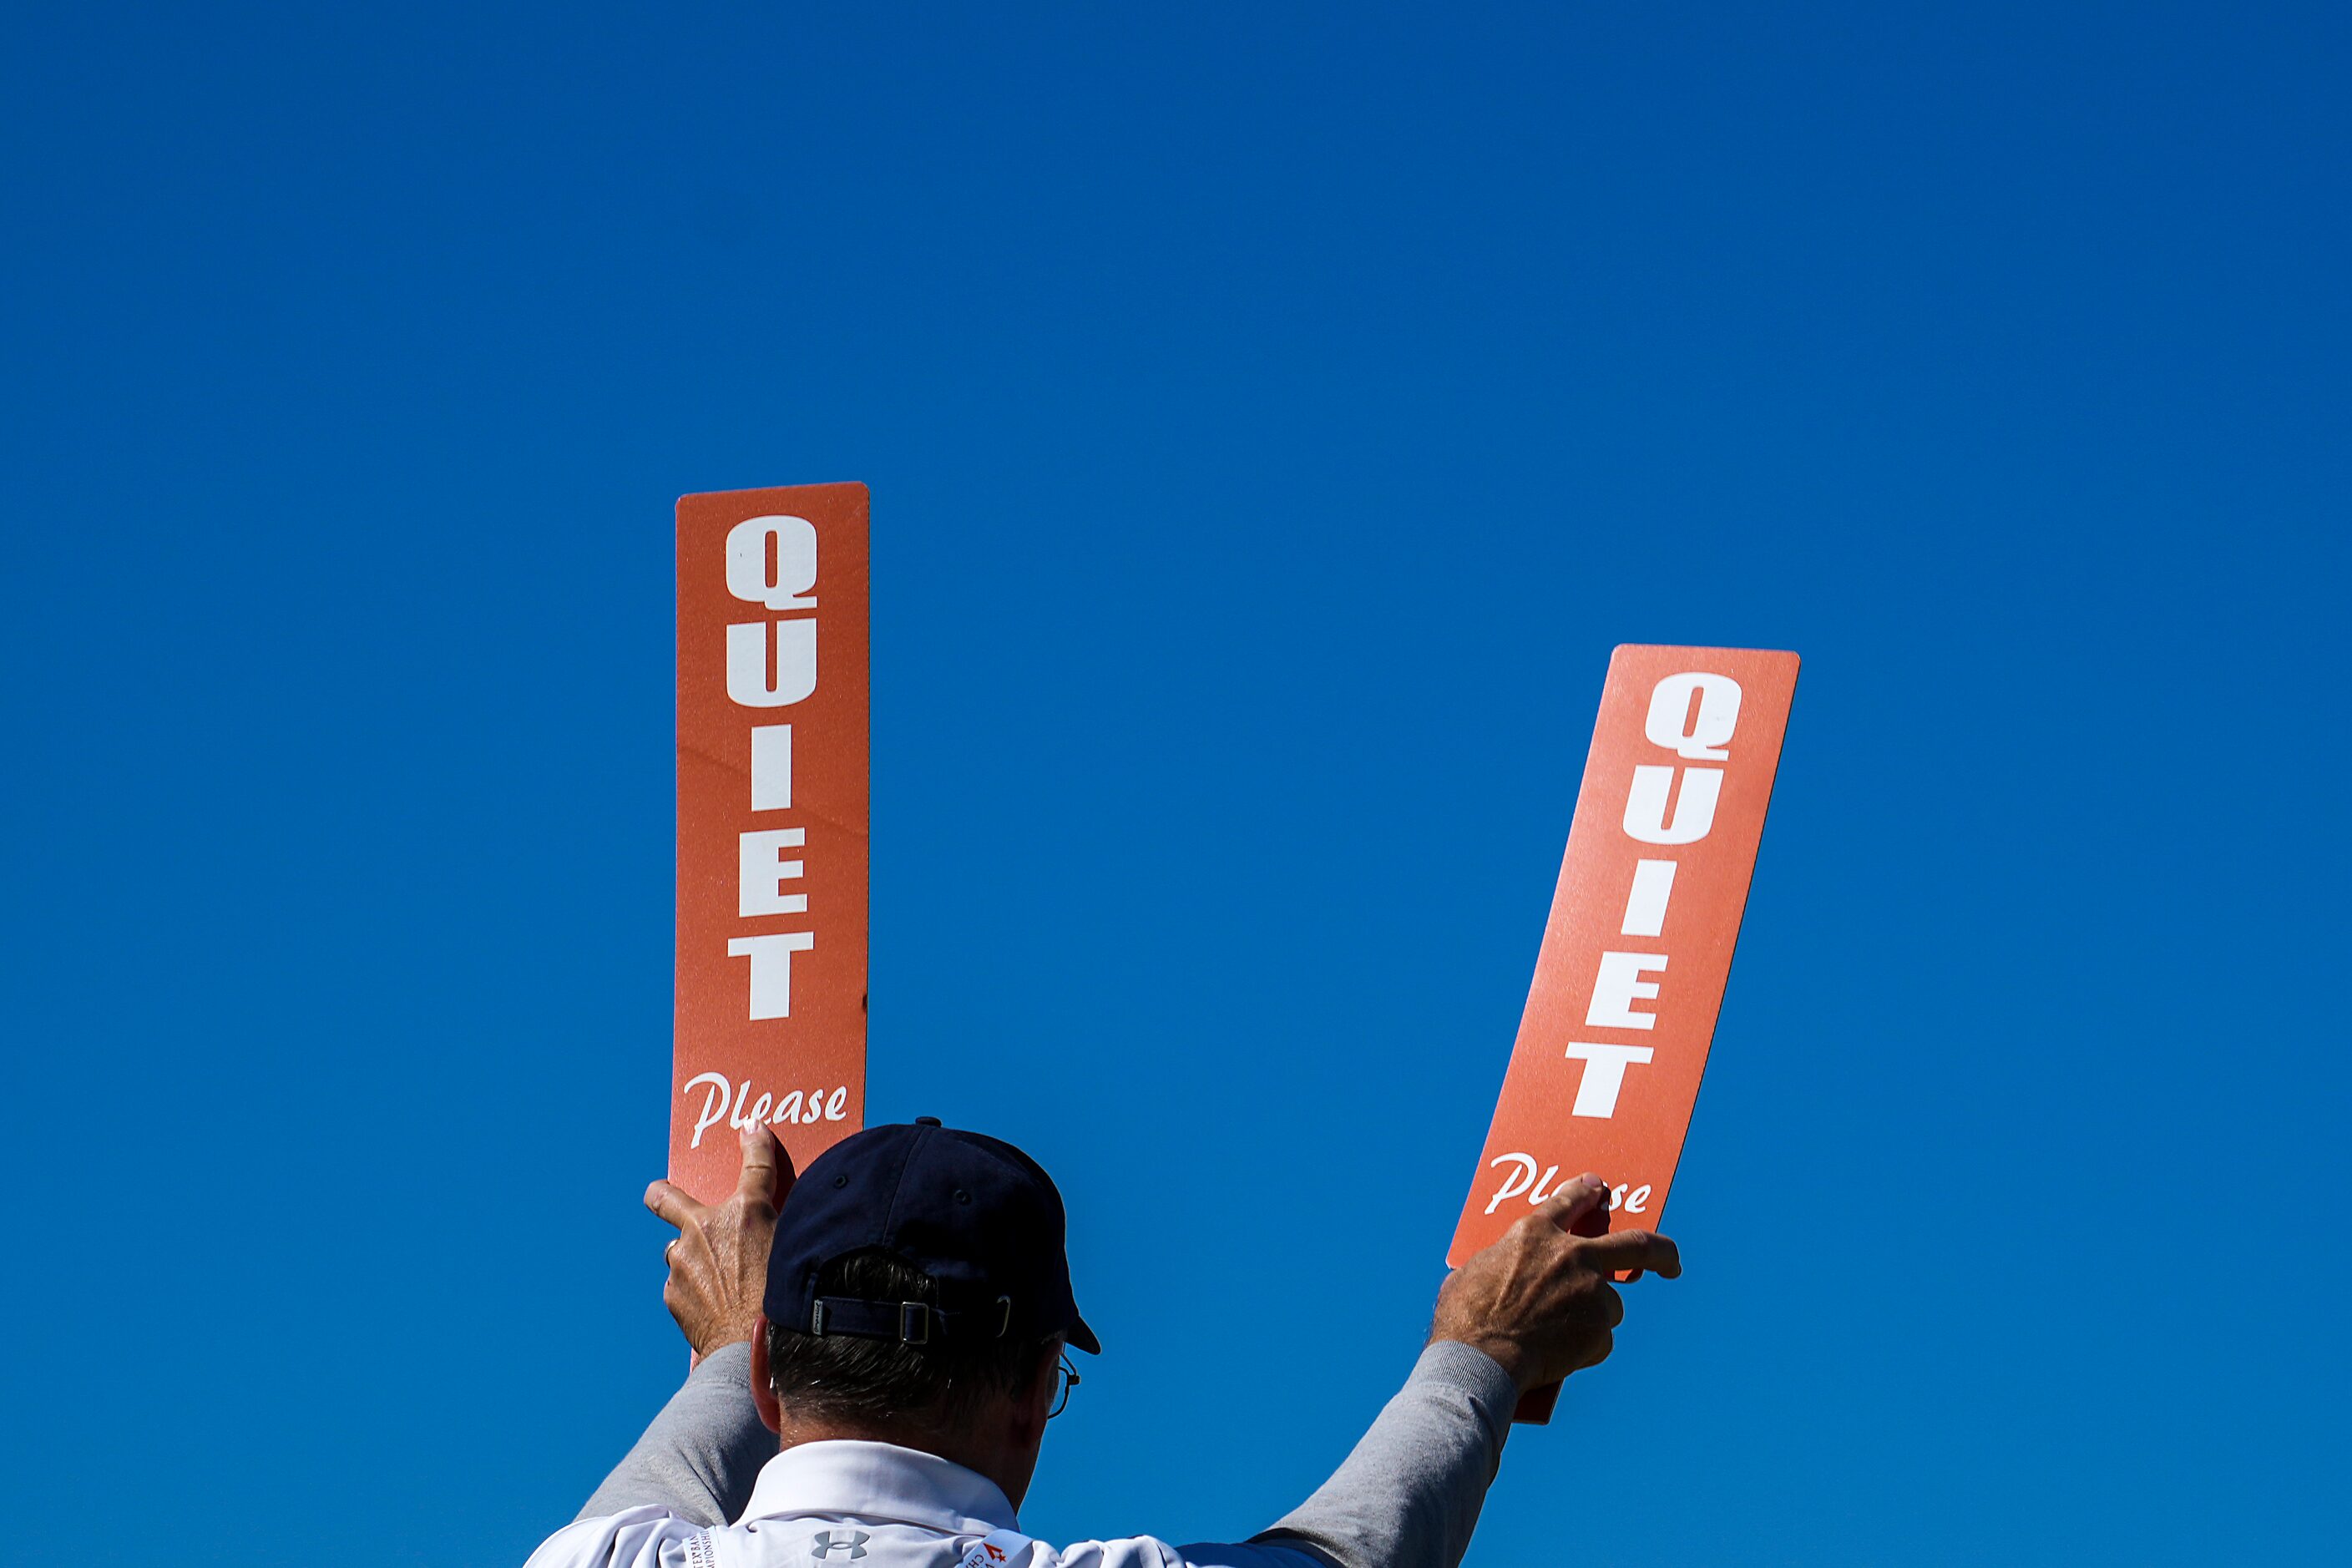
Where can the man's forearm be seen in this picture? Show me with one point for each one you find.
(701, 1455)
(1409, 1496)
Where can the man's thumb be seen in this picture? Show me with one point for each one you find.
(767, 1169)
(1580, 1207)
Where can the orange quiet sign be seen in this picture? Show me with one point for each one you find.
(772, 701)
(1631, 975)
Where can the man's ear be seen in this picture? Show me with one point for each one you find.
(1038, 1397)
(763, 1390)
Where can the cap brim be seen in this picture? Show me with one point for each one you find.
(1082, 1337)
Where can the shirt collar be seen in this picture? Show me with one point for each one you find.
(879, 1481)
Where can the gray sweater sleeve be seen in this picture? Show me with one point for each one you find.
(1409, 1494)
(701, 1454)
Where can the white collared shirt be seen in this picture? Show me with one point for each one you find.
(844, 1504)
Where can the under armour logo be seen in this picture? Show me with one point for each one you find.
(849, 1543)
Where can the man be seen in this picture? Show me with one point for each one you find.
(900, 1325)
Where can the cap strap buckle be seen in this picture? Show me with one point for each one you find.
(909, 1323)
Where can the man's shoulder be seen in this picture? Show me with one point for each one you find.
(1150, 1551)
(646, 1537)
(1127, 1552)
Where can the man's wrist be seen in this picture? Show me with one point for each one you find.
(1503, 1352)
(735, 1358)
(721, 1340)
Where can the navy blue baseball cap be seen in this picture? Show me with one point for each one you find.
(978, 1216)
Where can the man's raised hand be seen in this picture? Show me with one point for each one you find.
(719, 1264)
(1538, 1299)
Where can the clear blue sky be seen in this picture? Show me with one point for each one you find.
(1273, 417)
